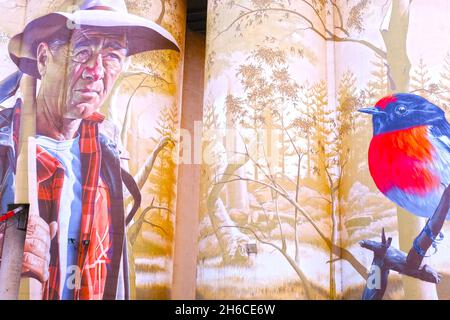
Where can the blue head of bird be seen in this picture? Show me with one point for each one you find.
(402, 111)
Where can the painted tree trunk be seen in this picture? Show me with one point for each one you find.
(296, 227)
(394, 37)
(11, 264)
(236, 192)
(231, 240)
(26, 179)
(334, 241)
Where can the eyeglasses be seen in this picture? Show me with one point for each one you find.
(111, 57)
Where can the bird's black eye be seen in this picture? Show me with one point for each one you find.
(401, 110)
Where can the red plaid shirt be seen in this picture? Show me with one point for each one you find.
(95, 244)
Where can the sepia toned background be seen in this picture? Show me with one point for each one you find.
(285, 222)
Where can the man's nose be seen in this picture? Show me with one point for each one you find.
(94, 69)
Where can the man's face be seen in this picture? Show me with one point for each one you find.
(80, 75)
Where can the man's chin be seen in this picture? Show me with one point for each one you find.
(80, 111)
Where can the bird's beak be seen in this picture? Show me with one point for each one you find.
(372, 110)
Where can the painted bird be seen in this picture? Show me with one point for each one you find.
(409, 154)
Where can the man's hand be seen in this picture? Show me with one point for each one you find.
(36, 253)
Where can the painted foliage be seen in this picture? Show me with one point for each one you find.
(288, 212)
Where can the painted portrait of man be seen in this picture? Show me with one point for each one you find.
(76, 244)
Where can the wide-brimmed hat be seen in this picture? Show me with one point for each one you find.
(142, 34)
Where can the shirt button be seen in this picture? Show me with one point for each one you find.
(5, 129)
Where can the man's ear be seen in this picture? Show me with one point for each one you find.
(42, 57)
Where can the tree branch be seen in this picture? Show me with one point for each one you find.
(341, 20)
(291, 261)
(243, 7)
(215, 208)
(337, 250)
(331, 36)
(124, 131)
(162, 13)
(144, 171)
(133, 230)
(434, 224)
(154, 225)
(318, 15)
(386, 258)
(365, 43)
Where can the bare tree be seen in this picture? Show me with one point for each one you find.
(394, 31)
(278, 189)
